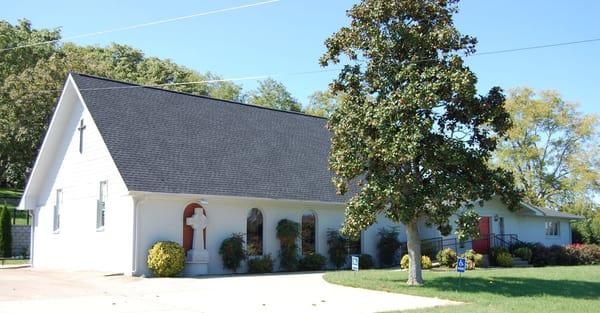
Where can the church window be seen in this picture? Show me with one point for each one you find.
(101, 205)
(309, 233)
(254, 232)
(57, 207)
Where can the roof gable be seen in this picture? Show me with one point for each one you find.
(169, 142)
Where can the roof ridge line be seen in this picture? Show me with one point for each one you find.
(194, 95)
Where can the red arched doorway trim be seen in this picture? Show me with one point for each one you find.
(188, 231)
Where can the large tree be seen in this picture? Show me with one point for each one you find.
(273, 94)
(552, 150)
(31, 79)
(410, 131)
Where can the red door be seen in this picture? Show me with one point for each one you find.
(482, 244)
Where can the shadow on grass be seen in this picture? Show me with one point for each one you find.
(518, 286)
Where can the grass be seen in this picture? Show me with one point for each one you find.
(10, 193)
(15, 262)
(547, 289)
(21, 218)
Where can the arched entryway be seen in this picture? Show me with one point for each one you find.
(188, 231)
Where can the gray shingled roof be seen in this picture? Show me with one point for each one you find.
(549, 212)
(169, 142)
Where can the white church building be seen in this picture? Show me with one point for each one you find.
(123, 166)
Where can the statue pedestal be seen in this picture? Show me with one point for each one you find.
(196, 263)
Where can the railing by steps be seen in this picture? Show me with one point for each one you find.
(431, 246)
(505, 240)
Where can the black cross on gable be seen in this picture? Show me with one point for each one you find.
(80, 129)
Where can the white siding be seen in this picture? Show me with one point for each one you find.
(528, 228)
(162, 219)
(78, 244)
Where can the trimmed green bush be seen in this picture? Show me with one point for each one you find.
(288, 233)
(447, 257)
(5, 233)
(494, 252)
(387, 246)
(166, 259)
(425, 262)
(337, 249)
(504, 259)
(232, 252)
(312, 262)
(524, 253)
(365, 262)
(476, 259)
(261, 264)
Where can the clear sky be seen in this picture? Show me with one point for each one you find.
(288, 36)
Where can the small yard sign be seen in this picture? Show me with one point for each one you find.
(355, 263)
(461, 265)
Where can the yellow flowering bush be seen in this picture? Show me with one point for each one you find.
(166, 259)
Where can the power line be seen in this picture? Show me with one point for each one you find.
(537, 47)
(169, 20)
(257, 77)
(208, 81)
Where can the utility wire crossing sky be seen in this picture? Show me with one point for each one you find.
(120, 29)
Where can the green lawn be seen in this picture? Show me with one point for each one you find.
(21, 218)
(14, 262)
(547, 289)
(10, 193)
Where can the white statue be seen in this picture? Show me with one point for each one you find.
(198, 253)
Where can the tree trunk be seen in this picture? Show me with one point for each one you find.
(413, 244)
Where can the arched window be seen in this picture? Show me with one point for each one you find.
(309, 233)
(254, 232)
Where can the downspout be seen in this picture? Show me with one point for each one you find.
(32, 235)
(136, 230)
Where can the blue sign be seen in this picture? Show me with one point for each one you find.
(461, 265)
(354, 263)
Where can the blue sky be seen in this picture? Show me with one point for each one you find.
(288, 37)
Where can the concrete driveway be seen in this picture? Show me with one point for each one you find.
(31, 290)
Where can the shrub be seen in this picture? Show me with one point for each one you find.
(446, 257)
(312, 262)
(262, 264)
(425, 262)
(337, 250)
(504, 259)
(404, 261)
(580, 254)
(524, 253)
(473, 259)
(288, 233)
(387, 246)
(166, 259)
(232, 251)
(366, 262)
(494, 252)
(5, 233)
(540, 255)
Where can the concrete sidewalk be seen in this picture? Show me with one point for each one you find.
(31, 290)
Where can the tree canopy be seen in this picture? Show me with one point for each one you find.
(322, 103)
(410, 131)
(552, 150)
(31, 79)
(273, 94)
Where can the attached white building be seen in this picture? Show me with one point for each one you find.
(123, 166)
